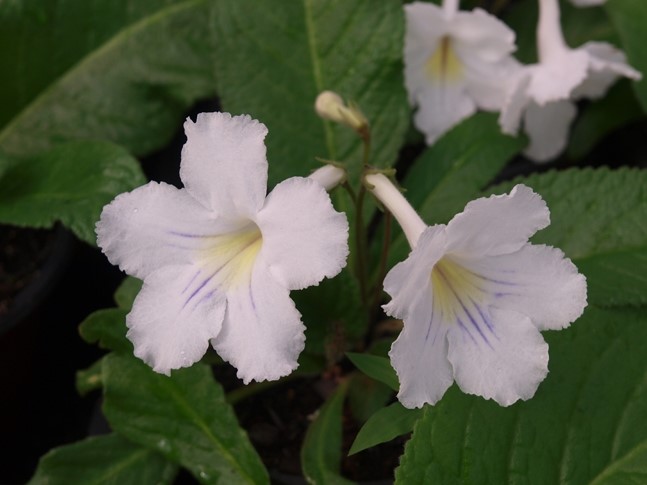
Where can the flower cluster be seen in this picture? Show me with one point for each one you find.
(456, 62)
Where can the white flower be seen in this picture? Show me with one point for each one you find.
(218, 258)
(454, 63)
(543, 93)
(474, 295)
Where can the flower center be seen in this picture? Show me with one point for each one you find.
(443, 64)
(229, 258)
(458, 297)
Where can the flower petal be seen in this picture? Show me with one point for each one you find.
(304, 238)
(537, 281)
(548, 127)
(168, 333)
(224, 165)
(442, 106)
(508, 367)
(479, 34)
(143, 230)
(405, 280)
(607, 64)
(489, 83)
(419, 355)
(498, 224)
(262, 334)
(556, 78)
(516, 102)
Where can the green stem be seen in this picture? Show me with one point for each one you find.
(242, 393)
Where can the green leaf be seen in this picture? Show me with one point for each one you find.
(127, 291)
(103, 460)
(630, 18)
(321, 450)
(119, 70)
(586, 423)
(386, 424)
(273, 62)
(185, 417)
(71, 183)
(107, 327)
(366, 396)
(630, 470)
(598, 220)
(455, 170)
(600, 118)
(379, 368)
(90, 379)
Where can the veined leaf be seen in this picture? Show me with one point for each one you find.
(120, 70)
(185, 417)
(598, 218)
(71, 183)
(103, 460)
(584, 425)
(273, 59)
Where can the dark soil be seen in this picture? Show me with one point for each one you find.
(22, 254)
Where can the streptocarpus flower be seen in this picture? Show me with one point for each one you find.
(543, 94)
(454, 63)
(218, 258)
(474, 295)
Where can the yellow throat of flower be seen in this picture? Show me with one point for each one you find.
(231, 256)
(456, 290)
(443, 64)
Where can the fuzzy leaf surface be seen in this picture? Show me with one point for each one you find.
(584, 425)
(103, 460)
(70, 183)
(123, 71)
(184, 417)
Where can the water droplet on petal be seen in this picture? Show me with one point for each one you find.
(135, 210)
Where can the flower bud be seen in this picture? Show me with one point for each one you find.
(331, 106)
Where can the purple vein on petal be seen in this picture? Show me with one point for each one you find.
(191, 282)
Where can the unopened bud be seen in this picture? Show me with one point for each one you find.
(331, 106)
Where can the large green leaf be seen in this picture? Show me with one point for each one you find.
(630, 18)
(586, 423)
(321, 450)
(120, 70)
(274, 58)
(70, 183)
(598, 220)
(185, 417)
(455, 170)
(103, 460)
